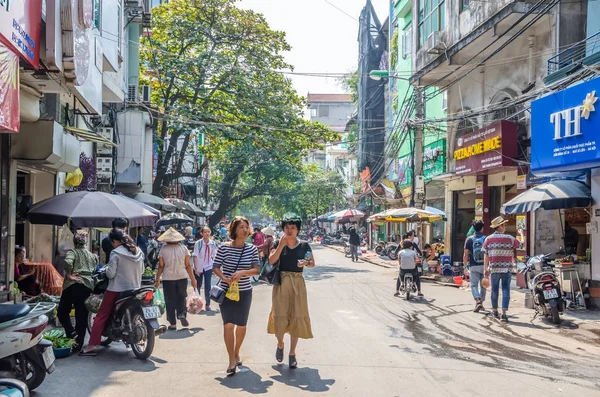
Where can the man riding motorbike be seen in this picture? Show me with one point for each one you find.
(124, 271)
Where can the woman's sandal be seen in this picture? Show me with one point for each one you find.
(293, 362)
(279, 355)
(231, 371)
(238, 362)
(92, 353)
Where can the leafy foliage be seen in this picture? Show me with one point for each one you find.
(214, 69)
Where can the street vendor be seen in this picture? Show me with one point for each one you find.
(25, 280)
(571, 239)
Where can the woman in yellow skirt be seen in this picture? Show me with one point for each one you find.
(289, 310)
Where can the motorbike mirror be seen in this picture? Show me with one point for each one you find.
(13, 388)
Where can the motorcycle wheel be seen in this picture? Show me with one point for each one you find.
(407, 295)
(555, 315)
(104, 341)
(393, 255)
(33, 376)
(378, 249)
(143, 349)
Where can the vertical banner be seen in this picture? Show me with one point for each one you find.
(521, 182)
(10, 109)
(478, 206)
(479, 187)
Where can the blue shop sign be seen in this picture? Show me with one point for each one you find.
(564, 129)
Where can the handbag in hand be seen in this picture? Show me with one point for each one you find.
(271, 273)
(217, 292)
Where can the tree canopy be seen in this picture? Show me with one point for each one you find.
(216, 69)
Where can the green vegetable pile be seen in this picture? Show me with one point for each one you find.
(149, 272)
(59, 339)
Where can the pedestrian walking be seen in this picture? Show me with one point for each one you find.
(500, 251)
(203, 257)
(78, 285)
(236, 262)
(175, 268)
(265, 249)
(474, 259)
(289, 310)
(124, 272)
(354, 242)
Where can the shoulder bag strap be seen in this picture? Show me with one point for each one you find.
(239, 260)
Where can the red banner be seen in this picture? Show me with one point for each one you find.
(20, 28)
(491, 147)
(9, 91)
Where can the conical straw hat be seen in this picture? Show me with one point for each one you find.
(171, 236)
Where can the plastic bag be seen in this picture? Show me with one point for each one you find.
(233, 293)
(93, 302)
(159, 300)
(195, 303)
(74, 178)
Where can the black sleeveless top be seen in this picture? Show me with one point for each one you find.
(288, 260)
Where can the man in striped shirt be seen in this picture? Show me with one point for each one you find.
(500, 252)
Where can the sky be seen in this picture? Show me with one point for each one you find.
(323, 37)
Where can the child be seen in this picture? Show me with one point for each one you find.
(408, 264)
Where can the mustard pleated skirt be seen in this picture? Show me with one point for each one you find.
(289, 310)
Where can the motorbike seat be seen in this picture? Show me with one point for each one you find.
(10, 312)
(131, 292)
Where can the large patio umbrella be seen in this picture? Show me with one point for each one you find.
(174, 218)
(553, 195)
(347, 215)
(89, 209)
(155, 202)
(146, 206)
(408, 215)
(186, 207)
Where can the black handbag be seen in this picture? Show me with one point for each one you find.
(217, 292)
(271, 273)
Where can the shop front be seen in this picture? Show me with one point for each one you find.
(485, 177)
(564, 141)
(434, 165)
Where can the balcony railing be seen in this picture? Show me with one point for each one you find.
(576, 55)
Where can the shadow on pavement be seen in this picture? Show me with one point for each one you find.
(326, 272)
(307, 379)
(246, 380)
(182, 333)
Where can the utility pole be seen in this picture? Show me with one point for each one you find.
(417, 155)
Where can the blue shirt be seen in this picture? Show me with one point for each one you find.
(142, 242)
(223, 232)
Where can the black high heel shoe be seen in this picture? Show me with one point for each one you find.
(231, 371)
(279, 355)
(293, 362)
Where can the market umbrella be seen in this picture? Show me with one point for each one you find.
(381, 216)
(553, 195)
(186, 207)
(346, 215)
(146, 206)
(155, 202)
(436, 211)
(89, 209)
(412, 214)
(174, 218)
(324, 217)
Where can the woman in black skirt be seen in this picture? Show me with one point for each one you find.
(236, 261)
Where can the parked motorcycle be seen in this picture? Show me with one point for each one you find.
(390, 251)
(544, 286)
(380, 247)
(24, 354)
(134, 320)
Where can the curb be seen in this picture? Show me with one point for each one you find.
(368, 260)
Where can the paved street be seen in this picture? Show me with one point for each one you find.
(367, 343)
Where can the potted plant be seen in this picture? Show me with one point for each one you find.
(61, 345)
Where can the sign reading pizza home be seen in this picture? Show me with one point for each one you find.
(487, 148)
(564, 129)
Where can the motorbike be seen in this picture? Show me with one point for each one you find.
(408, 286)
(390, 251)
(544, 286)
(380, 247)
(24, 354)
(134, 320)
(13, 388)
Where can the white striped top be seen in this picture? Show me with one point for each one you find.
(227, 260)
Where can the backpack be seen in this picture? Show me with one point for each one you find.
(478, 254)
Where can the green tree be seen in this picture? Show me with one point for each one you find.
(214, 70)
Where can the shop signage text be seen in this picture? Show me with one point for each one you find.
(434, 159)
(564, 126)
(20, 28)
(487, 148)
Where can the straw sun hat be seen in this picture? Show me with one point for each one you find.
(171, 236)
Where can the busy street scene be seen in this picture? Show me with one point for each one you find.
(334, 197)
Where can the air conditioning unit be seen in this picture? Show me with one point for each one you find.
(104, 169)
(146, 91)
(435, 45)
(132, 93)
(102, 148)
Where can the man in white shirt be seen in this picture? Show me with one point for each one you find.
(203, 257)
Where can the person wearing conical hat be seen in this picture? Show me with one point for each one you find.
(175, 268)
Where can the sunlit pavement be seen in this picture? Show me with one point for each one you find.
(367, 343)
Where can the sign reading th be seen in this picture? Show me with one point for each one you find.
(564, 128)
(487, 148)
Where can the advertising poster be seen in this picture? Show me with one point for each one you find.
(478, 206)
(479, 188)
(521, 182)
(10, 119)
(21, 27)
(521, 228)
